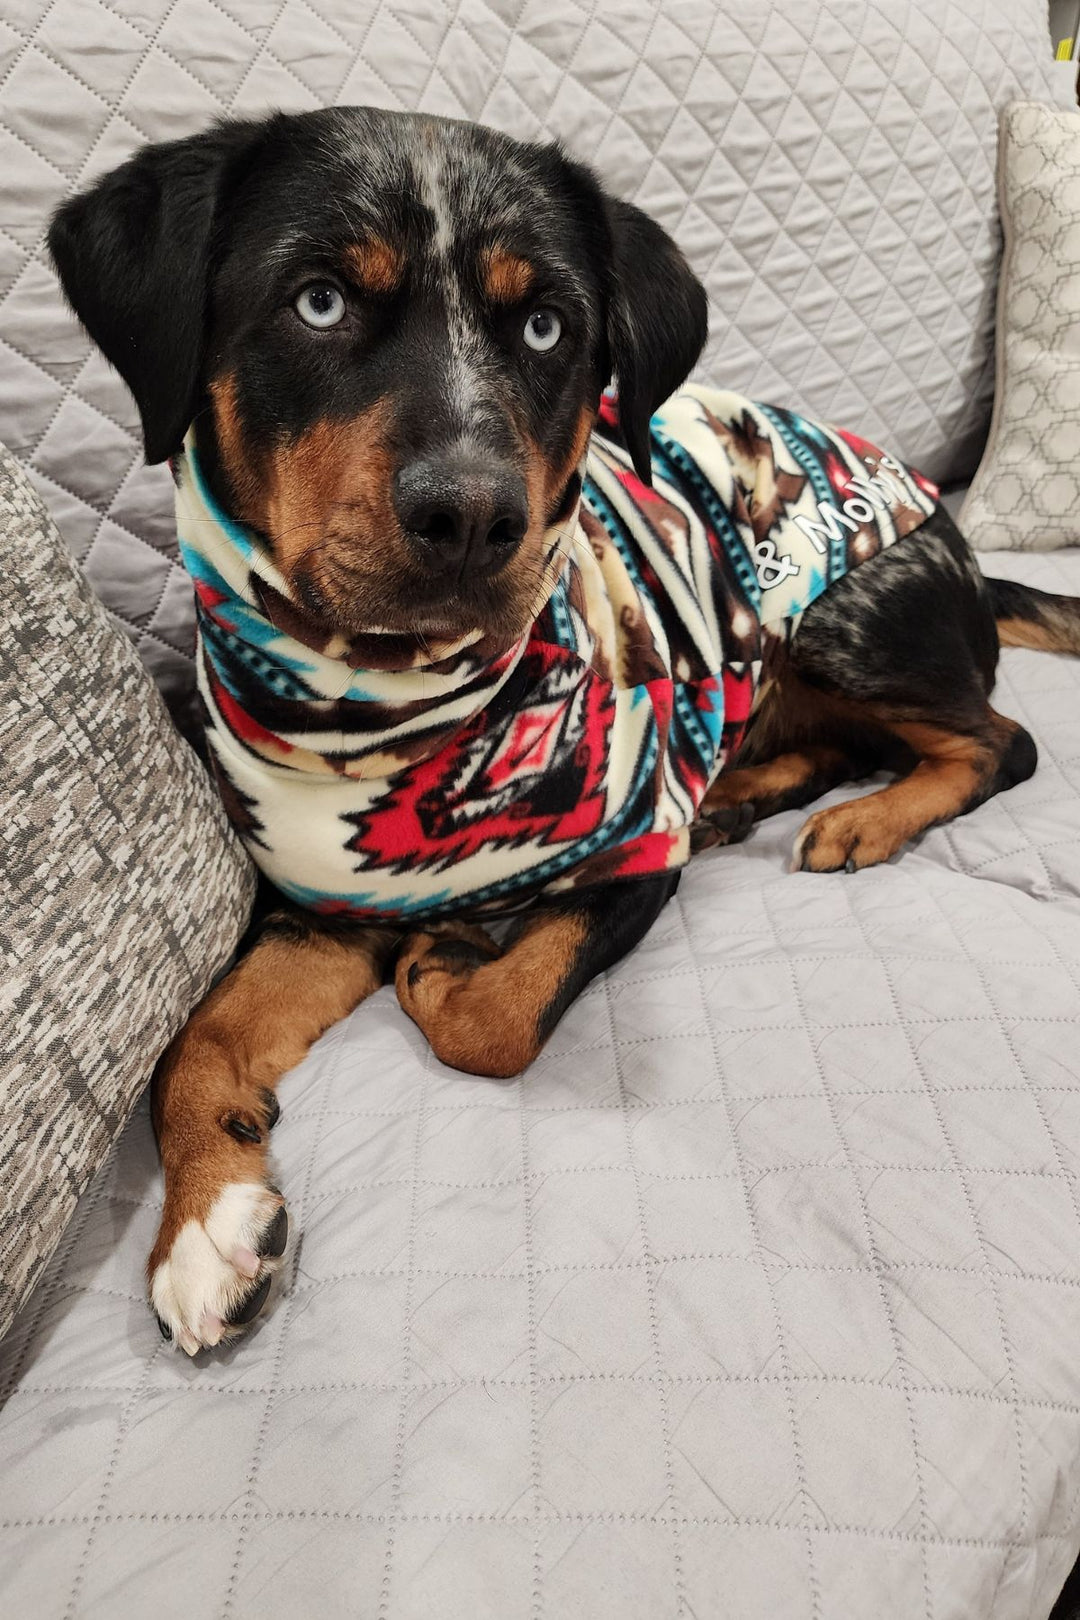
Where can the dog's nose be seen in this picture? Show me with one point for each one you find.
(462, 517)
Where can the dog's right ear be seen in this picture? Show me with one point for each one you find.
(134, 256)
(656, 311)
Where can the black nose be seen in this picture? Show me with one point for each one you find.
(462, 516)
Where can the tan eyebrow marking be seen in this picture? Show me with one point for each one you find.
(506, 277)
(375, 265)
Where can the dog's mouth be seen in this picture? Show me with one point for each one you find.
(465, 542)
(357, 583)
(356, 601)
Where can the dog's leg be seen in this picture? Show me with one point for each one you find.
(224, 1227)
(749, 793)
(954, 773)
(904, 650)
(489, 1012)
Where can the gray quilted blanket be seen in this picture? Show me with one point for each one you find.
(758, 1297)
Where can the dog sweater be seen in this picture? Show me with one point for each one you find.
(392, 779)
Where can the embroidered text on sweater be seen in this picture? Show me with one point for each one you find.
(390, 783)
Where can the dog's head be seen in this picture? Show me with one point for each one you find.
(391, 332)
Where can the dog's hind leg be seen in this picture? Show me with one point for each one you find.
(953, 774)
(224, 1226)
(749, 793)
(891, 668)
(901, 653)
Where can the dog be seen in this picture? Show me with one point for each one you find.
(374, 347)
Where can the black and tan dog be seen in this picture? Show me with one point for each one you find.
(428, 247)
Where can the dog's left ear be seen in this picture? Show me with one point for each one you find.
(657, 322)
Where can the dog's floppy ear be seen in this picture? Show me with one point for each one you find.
(657, 322)
(133, 255)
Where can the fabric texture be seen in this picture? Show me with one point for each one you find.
(1026, 493)
(758, 1297)
(388, 778)
(124, 890)
(828, 168)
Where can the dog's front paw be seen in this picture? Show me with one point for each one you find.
(456, 949)
(211, 1276)
(444, 980)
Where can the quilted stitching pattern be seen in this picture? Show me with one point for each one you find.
(828, 168)
(758, 1297)
(1026, 492)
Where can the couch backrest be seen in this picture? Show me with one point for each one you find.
(828, 166)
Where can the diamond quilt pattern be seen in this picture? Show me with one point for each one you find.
(758, 1296)
(828, 167)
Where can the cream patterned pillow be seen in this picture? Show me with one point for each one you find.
(1026, 493)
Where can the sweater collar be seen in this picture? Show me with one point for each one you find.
(259, 640)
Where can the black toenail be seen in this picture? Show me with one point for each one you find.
(849, 864)
(241, 1130)
(272, 1106)
(249, 1308)
(163, 1327)
(273, 1241)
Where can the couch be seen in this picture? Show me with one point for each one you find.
(758, 1295)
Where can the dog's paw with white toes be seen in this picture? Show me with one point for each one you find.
(216, 1275)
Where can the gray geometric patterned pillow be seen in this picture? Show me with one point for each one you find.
(122, 889)
(1026, 493)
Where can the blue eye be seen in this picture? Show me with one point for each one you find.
(320, 305)
(543, 330)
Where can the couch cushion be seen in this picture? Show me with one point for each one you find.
(758, 1296)
(123, 888)
(828, 168)
(1026, 493)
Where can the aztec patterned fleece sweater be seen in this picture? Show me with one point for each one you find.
(387, 781)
